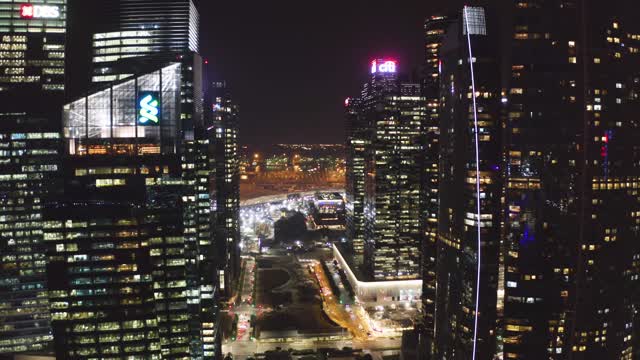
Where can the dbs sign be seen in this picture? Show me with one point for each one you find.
(383, 66)
(31, 11)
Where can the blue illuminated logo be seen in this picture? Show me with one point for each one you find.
(148, 108)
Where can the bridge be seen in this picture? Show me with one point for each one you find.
(266, 199)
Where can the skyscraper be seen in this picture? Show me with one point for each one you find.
(224, 139)
(356, 146)
(132, 238)
(30, 152)
(556, 93)
(393, 117)
(435, 28)
(32, 40)
(570, 199)
(32, 51)
(457, 219)
(141, 28)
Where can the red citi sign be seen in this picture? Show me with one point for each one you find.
(30, 11)
(384, 66)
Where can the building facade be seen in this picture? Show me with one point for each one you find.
(457, 259)
(435, 28)
(327, 210)
(570, 208)
(32, 51)
(30, 150)
(32, 48)
(130, 29)
(357, 143)
(133, 232)
(224, 137)
(557, 94)
(390, 119)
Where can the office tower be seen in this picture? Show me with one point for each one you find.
(544, 189)
(558, 184)
(198, 164)
(224, 137)
(29, 172)
(131, 256)
(571, 171)
(457, 218)
(393, 114)
(127, 29)
(32, 42)
(435, 28)
(32, 39)
(572, 168)
(356, 146)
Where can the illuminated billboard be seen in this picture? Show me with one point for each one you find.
(383, 66)
(149, 108)
(31, 11)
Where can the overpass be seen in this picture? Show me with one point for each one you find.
(283, 196)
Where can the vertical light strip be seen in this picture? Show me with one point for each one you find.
(475, 124)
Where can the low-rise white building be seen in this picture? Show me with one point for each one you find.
(380, 293)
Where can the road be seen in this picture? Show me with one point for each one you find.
(243, 350)
(350, 317)
(282, 197)
(244, 307)
(347, 316)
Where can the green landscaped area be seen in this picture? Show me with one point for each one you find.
(268, 280)
(295, 304)
(271, 279)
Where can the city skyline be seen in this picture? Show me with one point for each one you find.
(346, 33)
(303, 60)
(186, 179)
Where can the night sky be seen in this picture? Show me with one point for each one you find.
(291, 63)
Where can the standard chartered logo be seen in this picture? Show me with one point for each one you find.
(148, 108)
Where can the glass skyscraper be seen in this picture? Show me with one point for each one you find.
(32, 51)
(223, 136)
(457, 259)
(357, 142)
(571, 192)
(32, 48)
(30, 152)
(435, 29)
(557, 93)
(131, 254)
(141, 28)
(393, 116)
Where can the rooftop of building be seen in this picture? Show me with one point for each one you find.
(328, 196)
(349, 257)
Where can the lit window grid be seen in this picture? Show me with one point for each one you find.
(137, 32)
(14, 32)
(476, 18)
(23, 290)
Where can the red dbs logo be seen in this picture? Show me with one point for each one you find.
(26, 11)
(30, 11)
